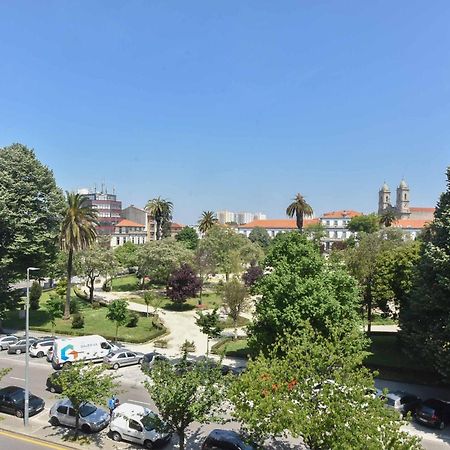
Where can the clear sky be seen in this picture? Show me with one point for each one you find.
(232, 104)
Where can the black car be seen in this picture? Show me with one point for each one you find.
(52, 384)
(226, 440)
(12, 401)
(150, 358)
(434, 412)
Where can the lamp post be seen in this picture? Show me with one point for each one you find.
(27, 350)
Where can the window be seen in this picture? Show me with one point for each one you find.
(130, 355)
(62, 409)
(105, 346)
(72, 412)
(133, 425)
(122, 355)
(335, 223)
(118, 241)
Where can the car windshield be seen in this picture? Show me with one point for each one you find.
(17, 396)
(86, 410)
(390, 401)
(34, 345)
(149, 421)
(427, 410)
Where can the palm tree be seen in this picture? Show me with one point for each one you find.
(299, 208)
(161, 211)
(388, 217)
(77, 233)
(207, 220)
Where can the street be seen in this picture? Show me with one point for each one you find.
(133, 391)
(14, 441)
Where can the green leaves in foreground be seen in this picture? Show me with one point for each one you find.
(317, 390)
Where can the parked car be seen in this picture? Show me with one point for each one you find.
(122, 357)
(225, 369)
(12, 401)
(39, 348)
(21, 345)
(52, 384)
(91, 418)
(434, 412)
(135, 423)
(149, 360)
(403, 402)
(226, 440)
(7, 340)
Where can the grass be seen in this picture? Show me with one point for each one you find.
(126, 283)
(228, 323)
(386, 351)
(377, 319)
(95, 322)
(237, 348)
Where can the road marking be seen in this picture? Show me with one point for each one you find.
(31, 440)
(20, 379)
(137, 401)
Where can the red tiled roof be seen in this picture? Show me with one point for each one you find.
(129, 223)
(419, 209)
(174, 225)
(341, 214)
(410, 223)
(286, 224)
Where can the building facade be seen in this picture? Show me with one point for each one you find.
(402, 207)
(239, 218)
(128, 231)
(141, 216)
(274, 226)
(108, 209)
(335, 226)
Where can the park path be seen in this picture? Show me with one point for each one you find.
(180, 324)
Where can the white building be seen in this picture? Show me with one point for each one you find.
(335, 224)
(225, 217)
(240, 218)
(128, 231)
(274, 226)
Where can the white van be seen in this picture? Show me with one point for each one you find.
(135, 423)
(81, 348)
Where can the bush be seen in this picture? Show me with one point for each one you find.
(133, 319)
(35, 295)
(187, 346)
(74, 306)
(160, 343)
(77, 321)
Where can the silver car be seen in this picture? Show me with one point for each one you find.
(6, 341)
(122, 357)
(91, 417)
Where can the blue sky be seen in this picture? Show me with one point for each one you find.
(230, 104)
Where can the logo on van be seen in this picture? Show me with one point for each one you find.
(65, 351)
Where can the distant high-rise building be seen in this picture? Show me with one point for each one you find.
(108, 209)
(240, 217)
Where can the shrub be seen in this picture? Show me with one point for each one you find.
(74, 306)
(77, 321)
(133, 319)
(183, 283)
(35, 295)
(160, 343)
(187, 346)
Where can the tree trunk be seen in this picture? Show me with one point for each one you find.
(158, 229)
(77, 423)
(181, 439)
(91, 290)
(69, 285)
(235, 328)
(369, 311)
(117, 331)
(299, 217)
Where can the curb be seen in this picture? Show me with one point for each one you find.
(39, 439)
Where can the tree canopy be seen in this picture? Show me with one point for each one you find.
(364, 224)
(31, 209)
(161, 210)
(300, 286)
(426, 317)
(206, 221)
(188, 236)
(183, 283)
(260, 236)
(299, 208)
(126, 255)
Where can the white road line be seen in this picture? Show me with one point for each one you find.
(137, 401)
(20, 379)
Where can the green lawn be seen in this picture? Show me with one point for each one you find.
(95, 322)
(127, 283)
(228, 323)
(377, 319)
(237, 348)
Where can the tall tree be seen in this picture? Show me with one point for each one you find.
(300, 287)
(126, 255)
(161, 210)
(185, 394)
(388, 217)
(299, 208)
(183, 283)
(426, 317)
(209, 325)
(118, 313)
(31, 209)
(94, 262)
(77, 233)
(235, 300)
(364, 224)
(206, 221)
(188, 236)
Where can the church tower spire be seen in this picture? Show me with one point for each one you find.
(402, 203)
(384, 198)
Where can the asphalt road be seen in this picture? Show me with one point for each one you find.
(14, 441)
(131, 379)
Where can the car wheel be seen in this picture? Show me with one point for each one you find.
(18, 351)
(441, 425)
(148, 444)
(86, 429)
(19, 414)
(40, 355)
(54, 421)
(116, 436)
(140, 361)
(116, 366)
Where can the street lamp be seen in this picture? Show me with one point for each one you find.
(27, 350)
